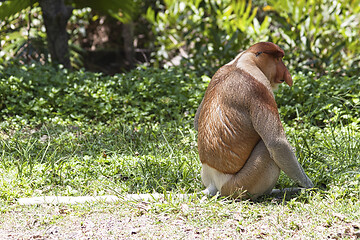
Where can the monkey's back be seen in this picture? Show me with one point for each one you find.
(226, 136)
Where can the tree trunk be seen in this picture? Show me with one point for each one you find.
(128, 36)
(56, 16)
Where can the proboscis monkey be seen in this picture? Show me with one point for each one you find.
(241, 141)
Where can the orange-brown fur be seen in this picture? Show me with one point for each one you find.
(223, 144)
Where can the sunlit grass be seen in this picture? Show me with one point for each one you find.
(98, 159)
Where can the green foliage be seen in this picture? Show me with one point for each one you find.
(41, 93)
(10, 8)
(77, 133)
(146, 95)
(112, 7)
(21, 42)
(133, 132)
(317, 34)
(209, 33)
(24, 33)
(320, 100)
(121, 10)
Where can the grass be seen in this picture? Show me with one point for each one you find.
(98, 159)
(49, 154)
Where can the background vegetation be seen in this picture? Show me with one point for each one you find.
(103, 125)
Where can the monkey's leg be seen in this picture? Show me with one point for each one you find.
(257, 177)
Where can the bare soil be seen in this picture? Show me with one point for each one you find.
(184, 220)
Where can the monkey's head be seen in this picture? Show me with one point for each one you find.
(268, 57)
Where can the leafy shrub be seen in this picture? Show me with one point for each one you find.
(314, 34)
(318, 100)
(42, 93)
(317, 34)
(142, 95)
(25, 40)
(207, 33)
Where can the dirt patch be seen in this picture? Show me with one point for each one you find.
(181, 220)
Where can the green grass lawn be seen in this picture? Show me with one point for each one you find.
(98, 159)
(127, 144)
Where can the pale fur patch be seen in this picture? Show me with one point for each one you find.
(235, 59)
(213, 179)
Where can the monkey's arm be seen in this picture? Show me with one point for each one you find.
(267, 123)
(197, 115)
